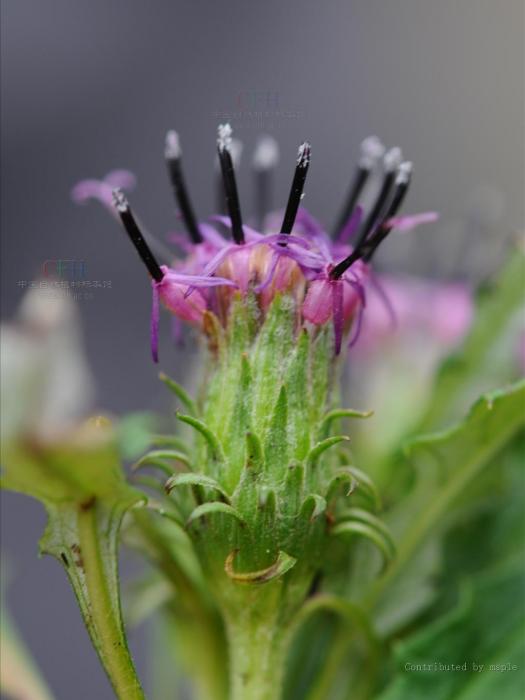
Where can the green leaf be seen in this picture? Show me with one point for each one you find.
(377, 536)
(156, 458)
(215, 508)
(276, 443)
(361, 480)
(313, 506)
(447, 464)
(180, 393)
(462, 372)
(483, 635)
(190, 479)
(297, 384)
(275, 340)
(281, 565)
(82, 486)
(338, 413)
(210, 437)
(318, 449)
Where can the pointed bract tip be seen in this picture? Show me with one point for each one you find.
(266, 154)
(371, 151)
(119, 200)
(224, 137)
(303, 154)
(404, 172)
(392, 159)
(172, 149)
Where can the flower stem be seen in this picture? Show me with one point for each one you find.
(105, 622)
(258, 647)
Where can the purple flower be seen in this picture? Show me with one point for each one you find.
(172, 291)
(102, 190)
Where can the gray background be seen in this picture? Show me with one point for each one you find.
(88, 86)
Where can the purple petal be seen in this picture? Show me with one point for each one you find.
(270, 274)
(385, 299)
(249, 233)
(305, 259)
(357, 331)
(200, 280)
(410, 222)
(85, 190)
(211, 236)
(123, 179)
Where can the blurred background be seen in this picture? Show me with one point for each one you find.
(91, 86)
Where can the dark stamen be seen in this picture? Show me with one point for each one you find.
(371, 150)
(265, 159)
(173, 154)
(296, 191)
(368, 247)
(128, 220)
(230, 186)
(404, 176)
(391, 162)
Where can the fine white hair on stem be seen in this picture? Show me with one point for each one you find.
(372, 150)
(120, 201)
(224, 137)
(303, 154)
(392, 159)
(172, 149)
(404, 172)
(266, 154)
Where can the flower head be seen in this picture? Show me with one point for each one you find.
(325, 275)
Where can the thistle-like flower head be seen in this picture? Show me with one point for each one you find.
(326, 276)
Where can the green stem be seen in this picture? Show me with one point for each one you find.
(105, 622)
(258, 647)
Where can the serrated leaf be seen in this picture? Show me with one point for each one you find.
(448, 462)
(281, 566)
